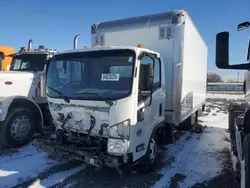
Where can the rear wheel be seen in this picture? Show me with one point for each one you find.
(18, 128)
(187, 124)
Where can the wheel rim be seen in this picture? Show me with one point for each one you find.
(152, 150)
(20, 127)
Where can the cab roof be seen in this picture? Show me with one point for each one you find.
(100, 48)
(31, 52)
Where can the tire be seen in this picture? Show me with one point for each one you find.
(18, 127)
(164, 135)
(246, 155)
(147, 163)
(237, 173)
(187, 124)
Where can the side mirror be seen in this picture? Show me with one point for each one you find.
(222, 53)
(222, 48)
(146, 77)
(243, 26)
(2, 55)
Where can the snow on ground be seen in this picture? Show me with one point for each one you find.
(22, 165)
(192, 159)
(28, 163)
(225, 96)
(56, 178)
(198, 157)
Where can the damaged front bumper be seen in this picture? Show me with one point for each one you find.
(73, 152)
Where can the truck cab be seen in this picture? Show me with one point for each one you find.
(107, 98)
(23, 108)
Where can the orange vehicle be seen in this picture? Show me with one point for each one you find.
(5, 59)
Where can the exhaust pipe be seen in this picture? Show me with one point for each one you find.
(76, 41)
(30, 44)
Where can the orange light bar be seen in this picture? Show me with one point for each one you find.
(93, 46)
(139, 45)
(101, 44)
(85, 46)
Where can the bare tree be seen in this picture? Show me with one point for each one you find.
(213, 77)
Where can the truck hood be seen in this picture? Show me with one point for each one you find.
(16, 83)
(80, 119)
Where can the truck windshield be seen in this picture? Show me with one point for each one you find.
(28, 62)
(96, 75)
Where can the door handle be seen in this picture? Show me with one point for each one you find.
(160, 109)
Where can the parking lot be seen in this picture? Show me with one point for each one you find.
(194, 160)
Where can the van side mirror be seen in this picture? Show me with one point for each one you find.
(146, 77)
(222, 53)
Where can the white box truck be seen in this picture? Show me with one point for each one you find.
(113, 102)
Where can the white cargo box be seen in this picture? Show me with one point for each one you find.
(175, 37)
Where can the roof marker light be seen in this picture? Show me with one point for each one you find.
(180, 14)
(139, 45)
(85, 46)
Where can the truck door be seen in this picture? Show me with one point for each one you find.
(148, 114)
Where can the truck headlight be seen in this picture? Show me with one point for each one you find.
(120, 130)
(117, 146)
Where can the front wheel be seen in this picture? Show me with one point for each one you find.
(147, 163)
(165, 135)
(18, 128)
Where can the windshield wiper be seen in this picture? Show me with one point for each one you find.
(60, 93)
(97, 94)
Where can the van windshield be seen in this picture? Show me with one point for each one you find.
(28, 62)
(96, 75)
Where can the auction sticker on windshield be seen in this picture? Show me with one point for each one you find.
(110, 77)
